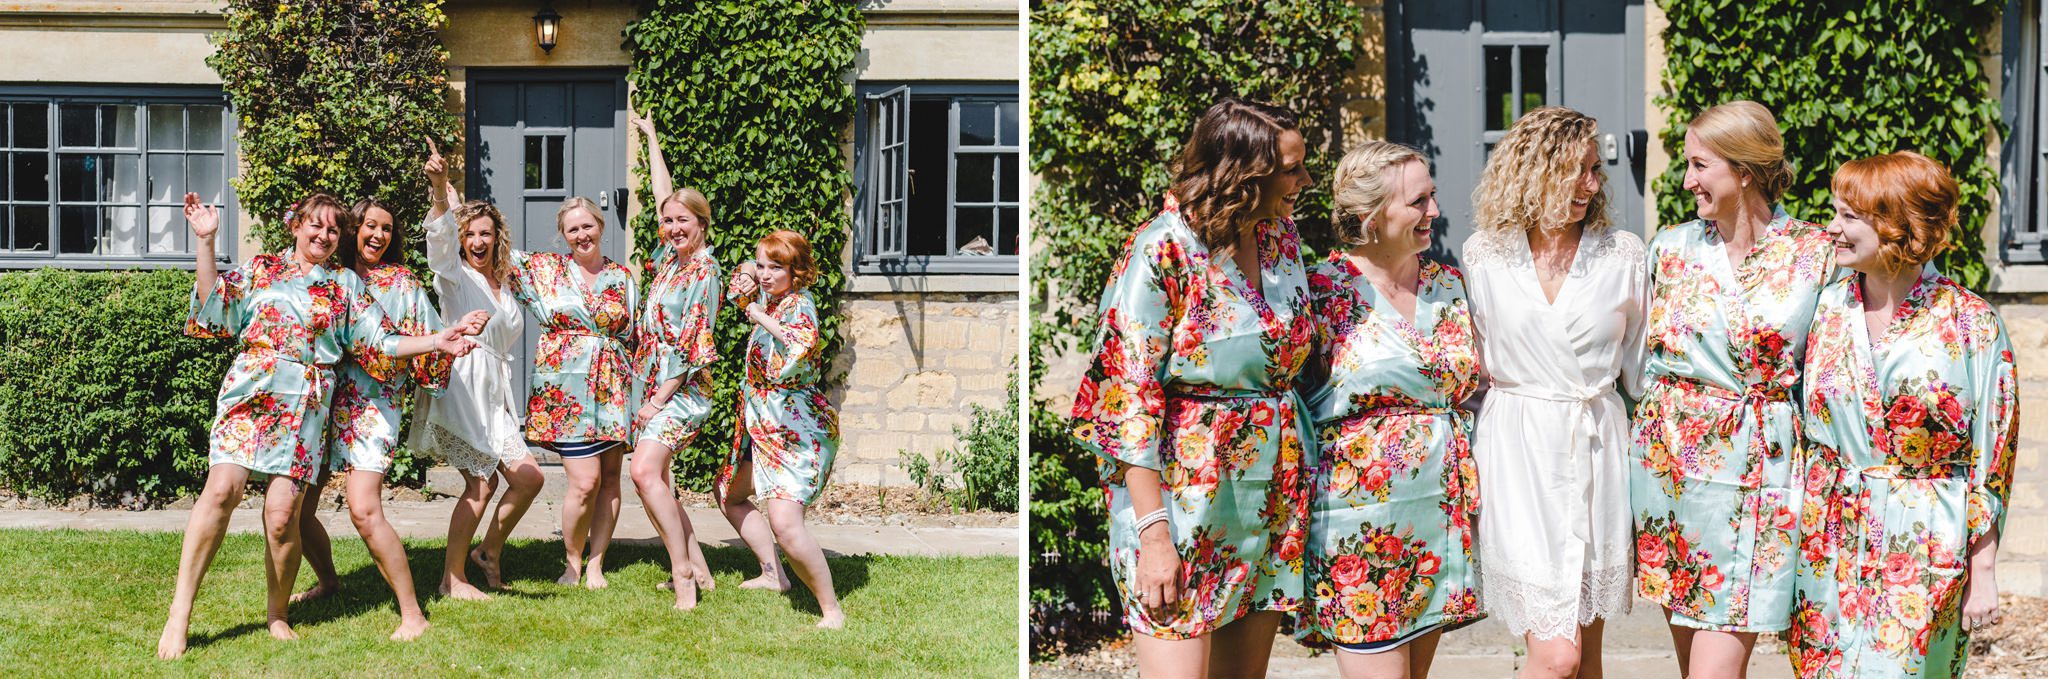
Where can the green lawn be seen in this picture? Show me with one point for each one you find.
(92, 603)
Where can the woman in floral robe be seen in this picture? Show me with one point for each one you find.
(1910, 439)
(295, 318)
(367, 413)
(673, 351)
(788, 432)
(1395, 495)
(1190, 403)
(577, 399)
(1711, 479)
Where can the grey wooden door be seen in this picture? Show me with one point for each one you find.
(535, 139)
(1460, 72)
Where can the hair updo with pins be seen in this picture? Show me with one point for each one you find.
(1364, 182)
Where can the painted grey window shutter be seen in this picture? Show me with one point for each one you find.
(888, 182)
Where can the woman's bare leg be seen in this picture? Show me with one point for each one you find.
(654, 481)
(753, 529)
(525, 478)
(1720, 655)
(786, 518)
(366, 511)
(1589, 649)
(469, 511)
(281, 502)
(1681, 643)
(203, 532)
(1241, 648)
(605, 515)
(319, 548)
(1172, 657)
(1558, 658)
(577, 506)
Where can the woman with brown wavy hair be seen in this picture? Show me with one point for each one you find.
(1189, 401)
(1910, 398)
(1559, 298)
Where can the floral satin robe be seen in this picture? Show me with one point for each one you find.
(1911, 446)
(787, 428)
(271, 414)
(366, 411)
(1395, 493)
(579, 389)
(1193, 377)
(674, 340)
(1711, 474)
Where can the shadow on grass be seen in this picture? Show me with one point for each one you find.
(527, 564)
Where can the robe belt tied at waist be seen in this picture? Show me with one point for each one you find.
(1183, 390)
(1752, 399)
(1583, 427)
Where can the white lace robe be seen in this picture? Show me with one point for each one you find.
(1551, 441)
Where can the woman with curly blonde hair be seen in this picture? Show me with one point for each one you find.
(1559, 298)
(1189, 402)
(1711, 470)
(1394, 503)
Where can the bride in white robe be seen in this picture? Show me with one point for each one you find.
(1558, 335)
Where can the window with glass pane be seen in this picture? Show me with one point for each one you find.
(941, 186)
(95, 178)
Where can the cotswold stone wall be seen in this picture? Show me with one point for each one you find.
(2023, 549)
(911, 367)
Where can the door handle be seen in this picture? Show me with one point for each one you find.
(604, 200)
(1610, 148)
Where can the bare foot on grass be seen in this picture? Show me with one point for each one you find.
(833, 620)
(171, 645)
(410, 629)
(686, 598)
(316, 592)
(282, 631)
(489, 565)
(594, 580)
(462, 590)
(768, 581)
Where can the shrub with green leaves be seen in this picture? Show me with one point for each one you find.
(1116, 87)
(101, 393)
(338, 97)
(1846, 81)
(985, 463)
(751, 101)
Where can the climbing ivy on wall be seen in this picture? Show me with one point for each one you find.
(337, 97)
(752, 103)
(1847, 80)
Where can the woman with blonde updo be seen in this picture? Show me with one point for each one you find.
(1711, 474)
(1910, 403)
(1394, 494)
(1559, 298)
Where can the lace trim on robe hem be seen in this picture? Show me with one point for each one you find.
(465, 457)
(1540, 612)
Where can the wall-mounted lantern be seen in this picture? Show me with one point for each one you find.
(546, 25)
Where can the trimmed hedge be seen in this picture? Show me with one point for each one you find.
(101, 393)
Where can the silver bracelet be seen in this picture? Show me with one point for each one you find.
(1156, 516)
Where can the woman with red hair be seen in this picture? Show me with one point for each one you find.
(788, 432)
(1909, 412)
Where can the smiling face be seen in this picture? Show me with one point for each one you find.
(1277, 191)
(1586, 187)
(583, 232)
(1855, 240)
(774, 276)
(1715, 184)
(479, 240)
(317, 234)
(374, 234)
(681, 228)
(1407, 221)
